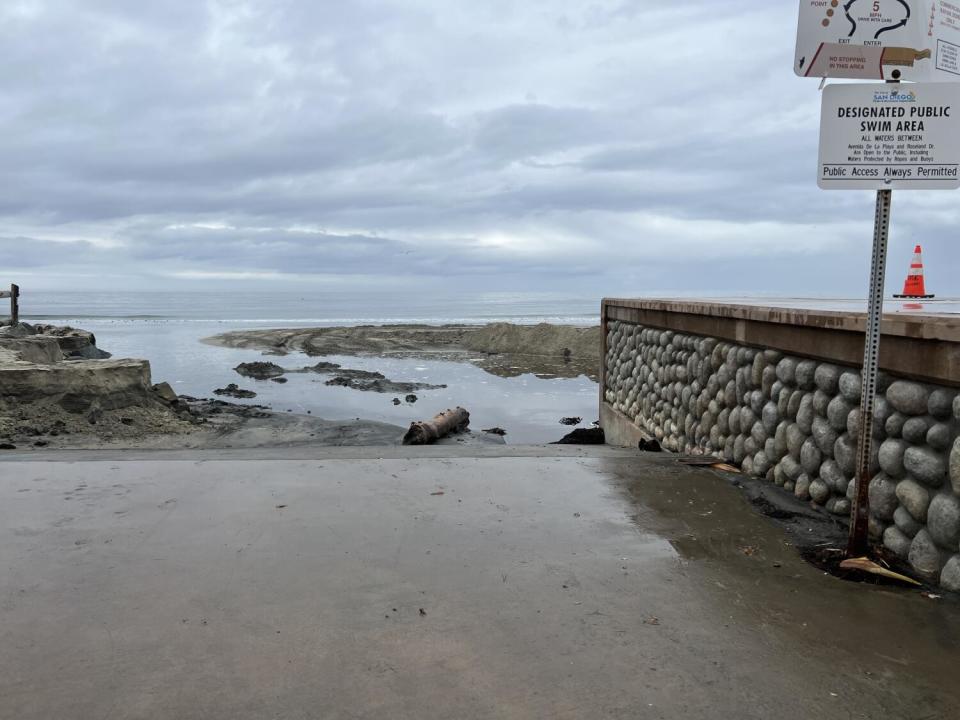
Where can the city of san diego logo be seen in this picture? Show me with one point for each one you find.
(894, 96)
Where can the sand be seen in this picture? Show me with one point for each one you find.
(503, 349)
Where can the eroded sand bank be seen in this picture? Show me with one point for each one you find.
(503, 349)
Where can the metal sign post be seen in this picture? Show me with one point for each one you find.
(857, 543)
(884, 137)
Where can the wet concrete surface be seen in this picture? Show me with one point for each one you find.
(563, 586)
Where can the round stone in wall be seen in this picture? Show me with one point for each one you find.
(827, 378)
(795, 440)
(819, 491)
(837, 412)
(915, 429)
(786, 370)
(950, 576)
(943, 520)
(894, 425)
(850, 386)
(796, 402)
(940, 437)
(896, 542)
(770, 417)
(761, 464)
(841, 506)
(806, 374)
(824, 435)
(955, 466)
(805, 413)
(810, 457)
(845, 453)
(925, 557)
(926, 465)
(891, 457)
(905, 522)
(802, 487)
(831, 473)
(910, 398)
(940, 404)
(820, 402)
(915, 498)
(883, 497)
(791, 468)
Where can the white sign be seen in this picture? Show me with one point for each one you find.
(890, 136)
(869, 39)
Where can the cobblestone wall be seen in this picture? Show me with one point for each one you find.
(795, 421)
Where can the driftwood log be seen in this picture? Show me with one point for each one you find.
(429, 431)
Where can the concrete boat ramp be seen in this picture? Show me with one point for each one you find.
(435, 583)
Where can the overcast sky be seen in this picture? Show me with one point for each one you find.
(600, 146)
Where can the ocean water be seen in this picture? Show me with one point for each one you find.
(167, 328)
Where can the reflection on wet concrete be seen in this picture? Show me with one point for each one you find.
(615, 586)
(875, 638)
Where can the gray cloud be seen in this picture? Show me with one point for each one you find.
(614, 146)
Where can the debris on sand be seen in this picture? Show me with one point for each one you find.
(583, 436)
(429, 431)
(495, 431)
(571, 421)
(232, 390)
(411, 399)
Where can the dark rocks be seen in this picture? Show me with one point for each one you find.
(165, 393)
(495, 431)
(279, 380)
(410, 399)
(583, 436)
(232, 390)
(571, 421)
(259, 370)
(379, 384)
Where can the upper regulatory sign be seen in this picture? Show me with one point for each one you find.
(868, 39)
(890, 136)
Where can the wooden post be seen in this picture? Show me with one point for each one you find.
(14, 304)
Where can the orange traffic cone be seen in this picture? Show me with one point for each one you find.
(913, 286)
